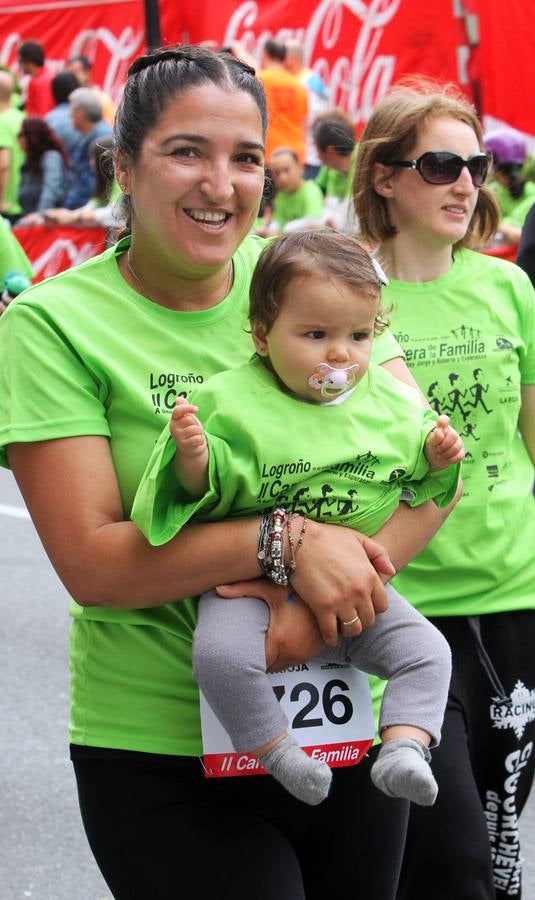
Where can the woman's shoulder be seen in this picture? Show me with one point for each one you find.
(251, 248)
(489, 266)
(77, 285)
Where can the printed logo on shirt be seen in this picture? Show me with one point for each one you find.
(463, 342)
(317, 499)
(165, 387)
(328, 503)
(515, 711)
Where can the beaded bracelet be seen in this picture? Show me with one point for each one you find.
(271, 545)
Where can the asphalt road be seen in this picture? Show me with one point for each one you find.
(43, 850)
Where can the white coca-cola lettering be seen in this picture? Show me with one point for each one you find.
(62, 254)
(355, 83)
(9, 48)
(121, 47)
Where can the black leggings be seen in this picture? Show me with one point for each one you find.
(467, 846)
(159, 830)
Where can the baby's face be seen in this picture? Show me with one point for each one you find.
(321, 321)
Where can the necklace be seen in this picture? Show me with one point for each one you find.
(148, 296)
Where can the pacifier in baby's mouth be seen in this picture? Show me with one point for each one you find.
(332, 382)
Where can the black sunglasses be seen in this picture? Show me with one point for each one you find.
(443, 167)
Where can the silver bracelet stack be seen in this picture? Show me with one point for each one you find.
(271, 545)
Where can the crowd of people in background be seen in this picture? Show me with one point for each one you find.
(49, 137)
(53, 132)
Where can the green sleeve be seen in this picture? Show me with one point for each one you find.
(525, 297)
(385, 347)
(12, 256)
(46, 390)
(162, 506)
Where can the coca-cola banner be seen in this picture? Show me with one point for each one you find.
(109, 32)
(52, 250)
(359, 48)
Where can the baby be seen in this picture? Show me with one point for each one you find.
(361, 439)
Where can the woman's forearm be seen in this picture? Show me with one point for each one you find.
(103, 559)
(124, 570)
(410, 529)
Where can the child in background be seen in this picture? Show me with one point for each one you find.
(310, 425)
(297, 202)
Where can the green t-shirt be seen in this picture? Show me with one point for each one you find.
(10, 121)
(84, 354)
(334, 183)
(12, 256)
(469, 339)
(519, 208)
(509, 206)
(343, 463)
(304, 203)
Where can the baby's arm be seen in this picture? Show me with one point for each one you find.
(191, 458)
(443, 446)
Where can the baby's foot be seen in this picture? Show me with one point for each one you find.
(402, 770)
(307, 779)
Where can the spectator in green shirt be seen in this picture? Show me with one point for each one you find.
(11, 154)
(297, 202)
(337, 149)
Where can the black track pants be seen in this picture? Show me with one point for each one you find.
(466, 847)
(159, 830)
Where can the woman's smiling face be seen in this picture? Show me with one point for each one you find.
(197, 183)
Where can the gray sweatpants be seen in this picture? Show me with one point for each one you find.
(229, 665)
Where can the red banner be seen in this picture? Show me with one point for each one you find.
(506, 54)
(359, 49)
(52, 250)
(110, 32)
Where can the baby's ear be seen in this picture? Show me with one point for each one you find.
(260, 339)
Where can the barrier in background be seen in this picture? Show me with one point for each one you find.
(52, 250)
(504, 251)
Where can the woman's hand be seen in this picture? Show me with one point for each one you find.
(337, 578)
(293, 636)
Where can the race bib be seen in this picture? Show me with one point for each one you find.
(329, 712)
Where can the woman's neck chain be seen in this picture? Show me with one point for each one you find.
(146, 294)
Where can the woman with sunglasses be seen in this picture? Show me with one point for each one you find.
(467, 324)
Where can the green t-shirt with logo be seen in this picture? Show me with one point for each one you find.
(84, 354)
(304, 203)
(10, 122)
(469, 340)
(343, 463)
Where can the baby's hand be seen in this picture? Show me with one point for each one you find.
(443, 446)
(186, 430)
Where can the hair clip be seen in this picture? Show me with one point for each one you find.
(379, 272)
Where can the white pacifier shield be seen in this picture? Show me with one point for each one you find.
(331, 381)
